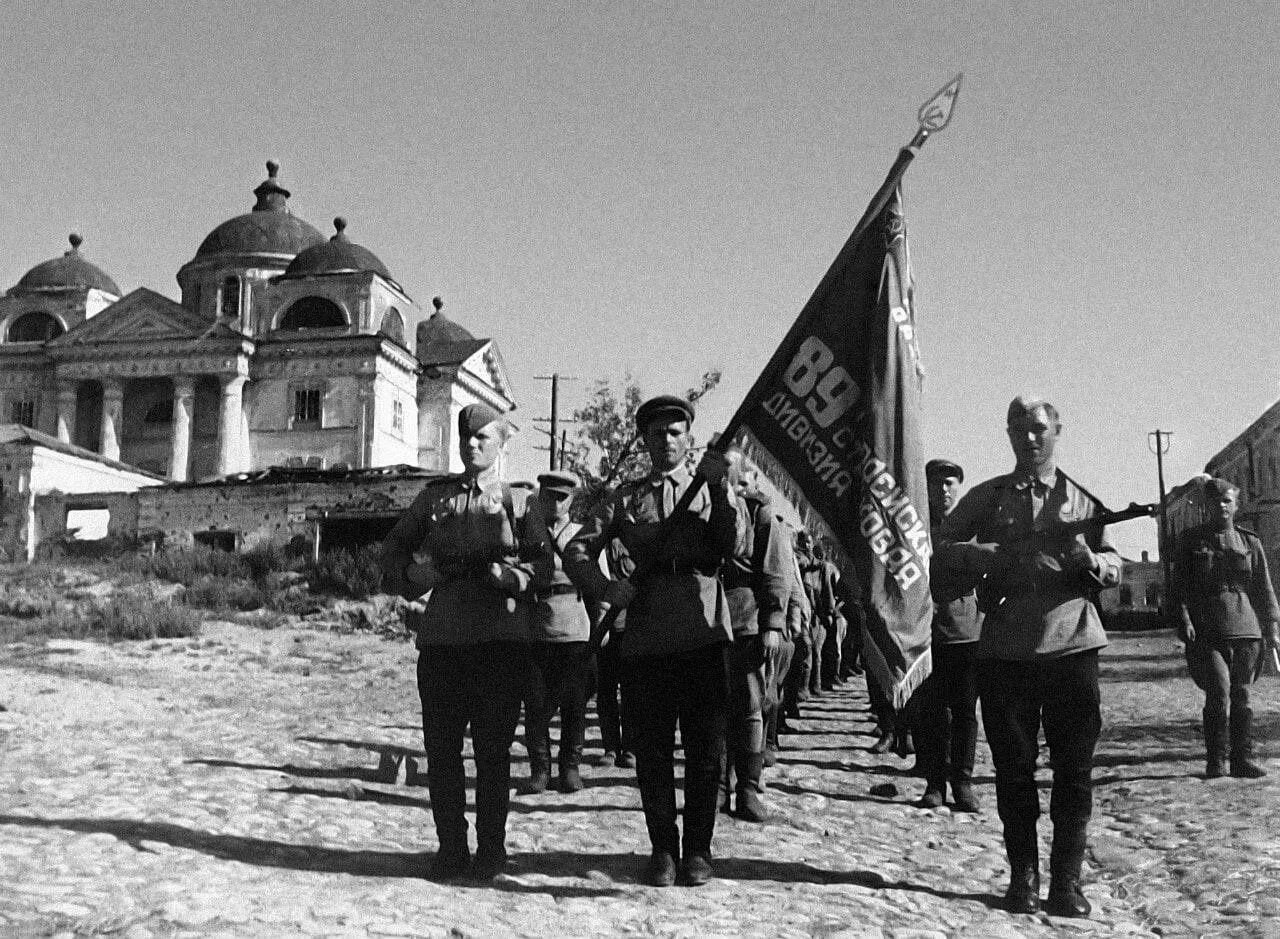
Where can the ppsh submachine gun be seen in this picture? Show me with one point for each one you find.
(993, 587)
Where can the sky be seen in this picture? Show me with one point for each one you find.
(656, 188)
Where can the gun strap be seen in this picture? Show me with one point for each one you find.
(1097, 503)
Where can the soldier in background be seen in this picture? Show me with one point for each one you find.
(474, 542)
(558, 668)
(614, 737)
(947, 732)
(674, 648)
(795, 684)
(757, 582)
(1227, 615)
(1038, 649)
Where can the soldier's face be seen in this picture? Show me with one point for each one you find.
(1222, 508)
(944, 493)
(480, 450)
(1034, 436)
(667, 441)
(555, 504)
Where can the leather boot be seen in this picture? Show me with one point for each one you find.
(570, 776)
(1242, 762)
(1215, 745)
(749, 768)
(935, 794)
(1023, 895)
(1067, 855)
(539, 775)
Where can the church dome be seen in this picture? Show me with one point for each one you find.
(269, 229)
(438, 329)
(69, 272)
(338, 255)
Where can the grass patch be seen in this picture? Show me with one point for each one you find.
(355, 574)
(129, 617)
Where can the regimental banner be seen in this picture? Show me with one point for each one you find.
(835, 422)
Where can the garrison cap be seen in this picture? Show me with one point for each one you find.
(475, 417)
(943, 468)
(664, 406)
(1217, 488)
(558, 481)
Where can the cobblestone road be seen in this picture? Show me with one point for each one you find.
(248, 783)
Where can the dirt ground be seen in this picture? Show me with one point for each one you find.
(254, 783)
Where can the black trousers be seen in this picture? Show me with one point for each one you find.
(481, 686)
(946, 735)
(614, 737)
(557, 682)
(1017, 699)
(691, 690)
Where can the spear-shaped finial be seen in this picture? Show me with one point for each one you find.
(935, 113)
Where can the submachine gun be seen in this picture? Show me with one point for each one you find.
(991, 593)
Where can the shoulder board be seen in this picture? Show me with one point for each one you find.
(1248, 532)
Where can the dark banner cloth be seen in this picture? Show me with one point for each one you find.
(835, 422)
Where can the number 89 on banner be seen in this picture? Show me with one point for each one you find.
(827, 391)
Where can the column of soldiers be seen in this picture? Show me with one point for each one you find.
(725, 622)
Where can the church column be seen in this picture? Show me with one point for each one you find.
(184, 391)
(230, 416)
(112, 418)
(67, 411)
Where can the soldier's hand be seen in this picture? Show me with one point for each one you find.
(714, 468)
(1081, 558)
(771, 639)
(501, 577)
(619, 594)
(1186, 633)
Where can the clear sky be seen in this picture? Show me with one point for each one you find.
(657, 188)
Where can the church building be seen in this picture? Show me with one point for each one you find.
(286, 348)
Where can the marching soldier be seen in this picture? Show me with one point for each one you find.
(558, 673)
(1038, 649)
(757, 582)
(475, 544)
(615, 739)
(1226, 606)
(947, 734)
(674, 649)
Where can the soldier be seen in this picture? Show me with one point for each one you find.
(757, 582)
(837, 626)
(1038, 649)
(1226, 606)
(947, 734)
(822, 602)
(674, 649)
(478, 546)
(614, 737)
(795, 683)
(558, 673)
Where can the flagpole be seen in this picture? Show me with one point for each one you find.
(934, 115)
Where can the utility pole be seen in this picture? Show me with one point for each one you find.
(1159, 441)
(557, 436)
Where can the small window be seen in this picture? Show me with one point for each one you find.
(397, 417)
(229, 306)
(23, 411)
(392, 325)
(306, 406)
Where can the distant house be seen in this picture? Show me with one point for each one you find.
(1135, 603)
(1252, 462)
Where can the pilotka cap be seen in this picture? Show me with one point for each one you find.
(474, 418)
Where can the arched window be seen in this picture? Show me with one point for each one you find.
(392, 325)
(35, 327)
(313, 313)
(229, 305)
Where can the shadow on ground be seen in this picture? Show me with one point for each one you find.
(616, 867)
